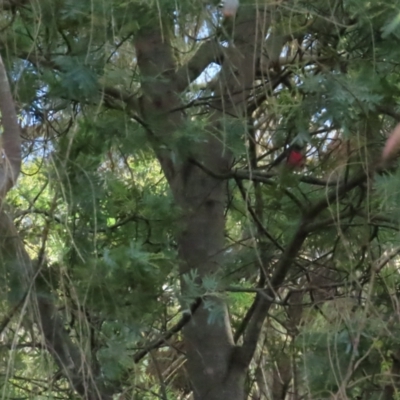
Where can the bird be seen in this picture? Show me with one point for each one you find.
(392, 145)
(295, 158)
(229, 8)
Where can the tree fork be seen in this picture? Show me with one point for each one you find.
(214, 371)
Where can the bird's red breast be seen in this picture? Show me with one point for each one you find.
(295, 159)
(392, 145)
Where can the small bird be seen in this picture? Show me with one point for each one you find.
(392, 145)
(229, 8)
(295, 158)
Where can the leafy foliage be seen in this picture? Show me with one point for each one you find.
(97, 216)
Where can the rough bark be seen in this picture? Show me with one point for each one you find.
(214, 371)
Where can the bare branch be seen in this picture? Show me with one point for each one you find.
(11, 138)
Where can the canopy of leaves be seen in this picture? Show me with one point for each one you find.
(97, 216)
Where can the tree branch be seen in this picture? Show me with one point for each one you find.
(10, 159)
(209, 52)
(256, 219)
(167, 335)
(129, 99)
(65, 353)
(262, 177)
(262, 304)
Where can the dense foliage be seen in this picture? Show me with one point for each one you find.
(309, 263)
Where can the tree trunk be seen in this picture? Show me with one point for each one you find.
(215, 371)
(209, 344)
